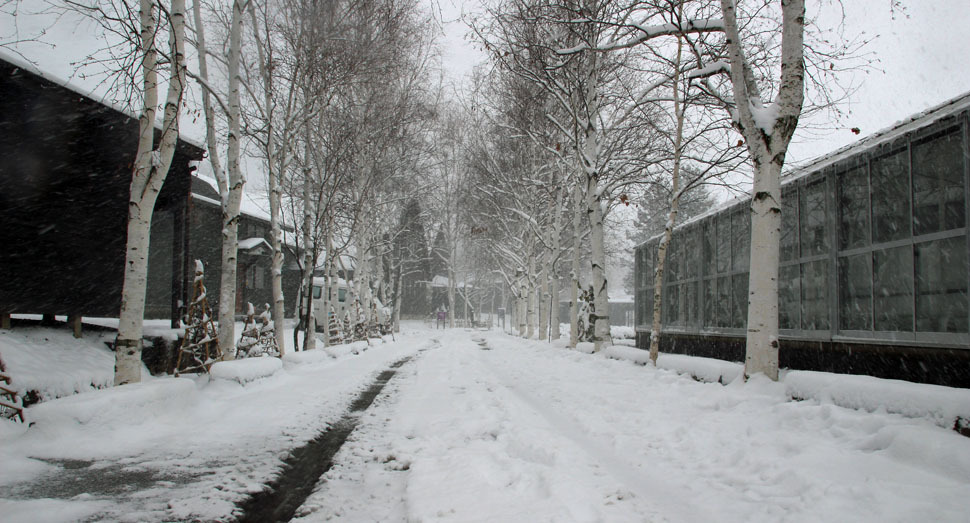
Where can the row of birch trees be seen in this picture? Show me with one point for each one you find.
(327, 103)
(597, 104)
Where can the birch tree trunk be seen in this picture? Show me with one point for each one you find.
(601, 331)
(451, 292)
(574, 273)
(530, 300)
(276, 265)
(543, 297)
(232, 197)
(398, 292)
(767, 132)
(148, 174)
(553, 273)
(275, 166)
(309, 261)
(655, 329)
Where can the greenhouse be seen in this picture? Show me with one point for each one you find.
(873, 274)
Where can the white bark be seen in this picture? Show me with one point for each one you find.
(589, 158)
(574, 273)
(767, 140)
(451, 292)
(601, 299)
(399, 289)
(276, 163)
(309, 262)
(553, 273)
(148, 175)
(530, 315)
(655, 330)
(231, 197)
(543, 296)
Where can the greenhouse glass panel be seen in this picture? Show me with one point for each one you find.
(691, 255)
(890, 198)
(941, 285)
(789, 226)
(853, 208)
(710, 248)
(647, 301)
(723, 244)
(811, 213)
(641, 308)
(673, 260)
(814, 295)
(741, 240)
(788, 297)
(724, 301)
(690, 290)
(938, 200)
(892, 289)
(672, 300)
(855, 292)
(739, 300)
(710, 303)
(650, 256)
(638, 256)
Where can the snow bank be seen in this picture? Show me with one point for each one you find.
(245, 370)
(587, 347)
(333, 351)
(346, 349)
(704, 369)
(127, 404)
(50, 510)
(623, 333)
(941, 404)
(307, 356)
(54, 363)
(619, 352)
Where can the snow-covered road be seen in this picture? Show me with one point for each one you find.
(523, 431)
(481, 426)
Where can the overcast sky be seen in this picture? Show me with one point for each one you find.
(919, 59)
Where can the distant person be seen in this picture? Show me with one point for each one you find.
(442, 316)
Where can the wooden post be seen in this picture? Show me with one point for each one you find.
(74, 320)
(5, 320)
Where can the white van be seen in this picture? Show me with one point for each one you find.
(341, 305)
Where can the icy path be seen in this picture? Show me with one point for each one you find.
(526, 432)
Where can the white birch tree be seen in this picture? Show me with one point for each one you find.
(767, 127)
(148, 174)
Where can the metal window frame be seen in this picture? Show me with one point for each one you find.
(830, 176)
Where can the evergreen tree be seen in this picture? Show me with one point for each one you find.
(413, 255)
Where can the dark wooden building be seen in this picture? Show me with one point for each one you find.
(65, 171)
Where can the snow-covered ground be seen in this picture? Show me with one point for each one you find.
(481, 426)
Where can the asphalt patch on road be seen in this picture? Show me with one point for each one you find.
(305, 465)
(77, 477)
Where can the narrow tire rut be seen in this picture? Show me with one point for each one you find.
(305, 465)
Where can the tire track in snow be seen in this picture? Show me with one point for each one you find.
(305, 465)
(654, 488)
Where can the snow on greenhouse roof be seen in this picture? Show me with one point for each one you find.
(938, 112)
